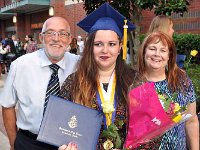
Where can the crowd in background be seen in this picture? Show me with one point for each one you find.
(12, 48)
(77, 45)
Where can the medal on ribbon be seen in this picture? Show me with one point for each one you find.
(107, 99)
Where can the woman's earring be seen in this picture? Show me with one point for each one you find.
(166, 67)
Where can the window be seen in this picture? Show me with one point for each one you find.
(70, 2)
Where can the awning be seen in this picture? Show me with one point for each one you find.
(6, 15)
(26, 6)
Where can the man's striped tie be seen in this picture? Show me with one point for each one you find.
(53, 86)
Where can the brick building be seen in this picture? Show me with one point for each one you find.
(189, 23)
(31, 15)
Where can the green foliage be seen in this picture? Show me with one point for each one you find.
(167, 7)
(141, 37)
(127, 7)
(112, 134)
(194, 73)
(166, 99)
(123, 6)
(186, 42)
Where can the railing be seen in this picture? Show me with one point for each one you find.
(3, 3)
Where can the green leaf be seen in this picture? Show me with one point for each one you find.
(174, 96)
(167, 104)
(118, 142)
(108, 134)
(112, 127)
(120, 123)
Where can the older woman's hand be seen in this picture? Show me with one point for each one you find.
(70, 146)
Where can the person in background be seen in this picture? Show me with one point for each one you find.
(27, 82)
(20, 48)
(3, 52)
(30, 45)
(80, 44)
(14, 38)
(156, 61)
(11, 52)
(74, 48)
(3, 41)
(102, 70)
(164, 24)
(9, 43)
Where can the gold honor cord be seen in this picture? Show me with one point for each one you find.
(125, 40)
(104, 102)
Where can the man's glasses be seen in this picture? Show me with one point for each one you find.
(61, 34)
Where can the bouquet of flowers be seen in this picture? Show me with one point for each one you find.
(151, 114)
(173, 110)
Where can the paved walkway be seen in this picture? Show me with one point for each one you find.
(4, 144)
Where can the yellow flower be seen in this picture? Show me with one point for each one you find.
(194, 53)
(177, 107)
(107, 145)
(161, 96)
(108, 107)
(177, 118)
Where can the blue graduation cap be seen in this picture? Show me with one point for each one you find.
(107, 18)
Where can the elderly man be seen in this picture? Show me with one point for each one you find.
(28, 84)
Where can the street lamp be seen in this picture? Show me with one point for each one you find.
(14, 19)
(51, 11)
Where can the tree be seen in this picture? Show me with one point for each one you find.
(132, 9)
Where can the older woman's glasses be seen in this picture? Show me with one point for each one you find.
(61, 34)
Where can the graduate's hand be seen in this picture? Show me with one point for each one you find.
(70, 146)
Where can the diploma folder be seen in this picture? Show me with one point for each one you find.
(65, 121)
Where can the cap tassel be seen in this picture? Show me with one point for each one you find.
(125, 39)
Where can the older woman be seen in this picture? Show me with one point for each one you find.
(156, 61)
